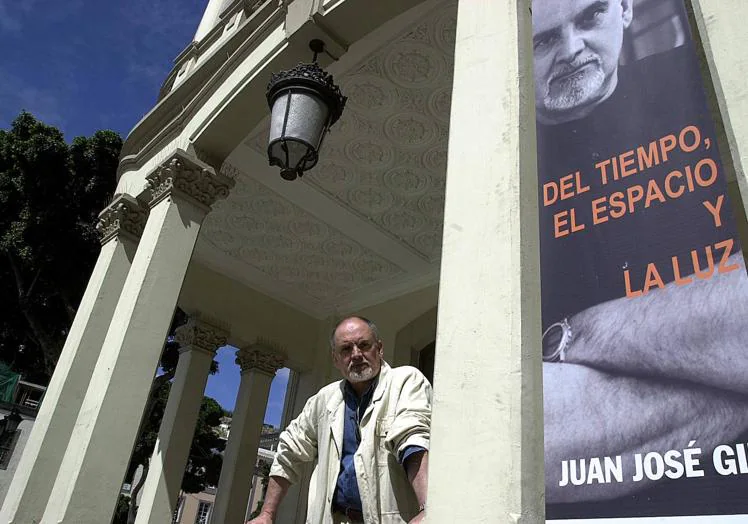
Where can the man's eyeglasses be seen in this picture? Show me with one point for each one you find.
(362, 345)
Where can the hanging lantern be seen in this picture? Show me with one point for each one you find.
(304, 104)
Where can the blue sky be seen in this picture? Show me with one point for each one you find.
(85, 65)
(225, 385)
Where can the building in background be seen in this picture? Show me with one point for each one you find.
(19, 405)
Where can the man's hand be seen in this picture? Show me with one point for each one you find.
(417, 468)
(277, 488)
(418, 518)
(261, 519)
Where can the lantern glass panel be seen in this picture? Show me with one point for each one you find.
(300, 117)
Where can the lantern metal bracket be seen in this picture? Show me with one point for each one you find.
(318, 46)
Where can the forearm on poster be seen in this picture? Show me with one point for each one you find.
(591, 414)
(696, 332)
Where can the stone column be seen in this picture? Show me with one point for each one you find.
(720, 24)
(181, 192)
(304, 386)
(120, 226)
(488, 334)
(258, 365)
(199, 342)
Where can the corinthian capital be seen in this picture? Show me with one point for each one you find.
(124, 216)
(188, 177)
(260, 358)
(197, 334)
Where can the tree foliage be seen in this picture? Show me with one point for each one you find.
(205, 458)
(204, 465)
(50, 195)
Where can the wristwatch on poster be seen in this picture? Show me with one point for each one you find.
(556, 340)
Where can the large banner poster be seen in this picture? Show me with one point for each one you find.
(644, 288)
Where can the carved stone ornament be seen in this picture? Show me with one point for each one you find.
(196, 334)
(188, 177)
(260, 358)
(388, 152)
(124, 216)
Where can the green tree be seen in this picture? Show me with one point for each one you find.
(51, 194)
(205, 459)
(50, 197)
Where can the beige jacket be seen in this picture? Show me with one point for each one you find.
(399, 415)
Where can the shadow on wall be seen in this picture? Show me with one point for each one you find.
(426, 361)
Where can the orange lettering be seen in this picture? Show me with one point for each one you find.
(597, 209)
(602, 166)
(669, 188)
(715, 210)
(653, 278)
(574, 226)
(559, 221)
(635, 193)
(627, 160)
(627, 280)
(701, 274)
(567, 186)
(580, 188)
(696, 138)
(549, 189)
(712, 168)
(727, 245)
(679, 281)
(653, 193)
(667, 144)
(649, 158)
(617, 205)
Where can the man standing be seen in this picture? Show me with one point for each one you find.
(369, 434)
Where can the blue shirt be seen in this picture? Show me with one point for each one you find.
(346, 494)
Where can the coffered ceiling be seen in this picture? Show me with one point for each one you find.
(365, 224)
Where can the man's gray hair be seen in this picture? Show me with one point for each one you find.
(372, 327)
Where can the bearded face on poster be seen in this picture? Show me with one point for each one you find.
(576, 49)
(644, 287)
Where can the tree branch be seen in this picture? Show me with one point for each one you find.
(69, 309)
(32, 337)
(33, 283)
(16, 274)
(50, 350)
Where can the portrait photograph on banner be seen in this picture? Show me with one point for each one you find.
(643, 282)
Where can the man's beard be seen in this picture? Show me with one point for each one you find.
(577, 89)
(362, 375)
